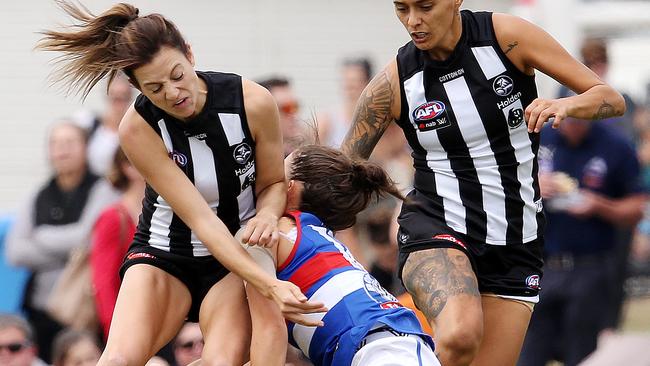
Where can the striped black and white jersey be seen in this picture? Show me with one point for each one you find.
(464, 119)
(217, 153)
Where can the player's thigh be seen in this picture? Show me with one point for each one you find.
(225, 322)
(444, 287)
(505, 325)
(151, 307)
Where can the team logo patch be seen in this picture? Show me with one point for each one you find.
(372, 286)
(242, 153)
(450, 238)
(179, 158)
(430, 116)
(594, 173)
(503, 86)
(532, 282)
(403, 237)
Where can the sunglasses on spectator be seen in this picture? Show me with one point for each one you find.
(289, 107)
(189, 344)
(14, 347)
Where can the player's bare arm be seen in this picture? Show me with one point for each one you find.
(377, 107)
(531, 48)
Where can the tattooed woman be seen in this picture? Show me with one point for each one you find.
(463, 90)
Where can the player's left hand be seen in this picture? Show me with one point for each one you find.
(261, 230)
(542, 110)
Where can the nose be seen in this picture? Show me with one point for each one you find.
(171, 92)
(413, 19)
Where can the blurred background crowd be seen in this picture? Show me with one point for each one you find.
(67, 216)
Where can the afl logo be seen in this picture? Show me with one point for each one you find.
(178, 158)
(428, 111)
(532, 282)
(242, 153)
(502, 85)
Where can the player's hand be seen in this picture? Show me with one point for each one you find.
(542, 110)
(261, 230)
(294, 304)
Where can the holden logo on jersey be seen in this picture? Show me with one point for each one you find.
(515, 117)
(430, 116)
(242, 153)
(248, 181)
(502, 85)
(179, 158)
(513, 110)
(532, 282)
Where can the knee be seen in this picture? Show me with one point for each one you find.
(460, 344)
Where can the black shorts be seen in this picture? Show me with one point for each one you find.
(504, 270)
(198, 274)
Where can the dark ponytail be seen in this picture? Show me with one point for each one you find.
(337, 188)
(96, 46)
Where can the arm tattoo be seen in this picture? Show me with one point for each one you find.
(605, 110)
(511, 46)
(371, 117)
(434, 276)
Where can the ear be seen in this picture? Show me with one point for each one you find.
(457, 4)
(294, 193)
(190, 54)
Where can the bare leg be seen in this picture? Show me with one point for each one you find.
(269, 340)
(444, 287)
(225, 323)
(505, 324)
(150, 309)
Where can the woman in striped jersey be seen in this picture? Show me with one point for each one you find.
(209, 146)
(463, 91)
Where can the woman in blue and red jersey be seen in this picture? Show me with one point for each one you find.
(365, 324)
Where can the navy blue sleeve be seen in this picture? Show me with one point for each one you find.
(628, 170)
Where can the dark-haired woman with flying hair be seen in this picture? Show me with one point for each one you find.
(209, 147)
(365, 325)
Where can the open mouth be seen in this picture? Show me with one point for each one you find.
(419, 36)
(181, 102)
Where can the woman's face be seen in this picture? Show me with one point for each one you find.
(170, 83)
(67, 149)
(82, 353)
(428, 22)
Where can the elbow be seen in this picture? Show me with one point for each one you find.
(619, 105)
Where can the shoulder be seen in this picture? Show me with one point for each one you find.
(132, 126)
(259, 104)
(256, 97)
(507, 25)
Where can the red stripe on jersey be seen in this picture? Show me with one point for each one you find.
(316, 268)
